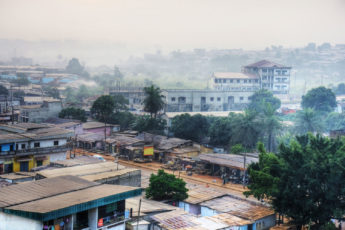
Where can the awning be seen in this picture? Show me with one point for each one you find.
(23, 159)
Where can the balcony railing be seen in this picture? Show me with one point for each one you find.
(33, 151)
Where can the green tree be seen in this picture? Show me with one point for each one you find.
(70, 95)
(164, 186)
(308, 120)
(19, 94)
(237, 149)
(73, 113)
(221, 130)
(102, 109)
(340, 89)
(304, 181)
(153, 101)
(125, 119)
(190, 127)
(247, 130)
(74, 67)
(320, 99)
(261, 98)
(335, 121)
(121, 103)
(146, 123)
(271, 125)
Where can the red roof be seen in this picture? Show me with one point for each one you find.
(266, 64)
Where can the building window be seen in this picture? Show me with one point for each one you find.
(278, 72)
(211, 98)
(56, 143)
(182, 100)
(23, 146)
(218, 98)
(256, 80)
(264, 70)
(245, 81)
(241, 98)
(173, 99)
(37, 144)
(215, 80)
(250, 81)
(264, 78)
(238, 81)
(224, 80)
(39, 163)
(231, 81)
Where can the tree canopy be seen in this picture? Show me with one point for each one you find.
(153, 101)
(308, 120)
(103, 107)
(320, 99)
(73, 113)
(146, 123)
(21, 80)
(261, 98)
(74, 67)
(190, 127)
(164, 186)
(304, 181)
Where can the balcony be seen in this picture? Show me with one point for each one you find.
(34, 151)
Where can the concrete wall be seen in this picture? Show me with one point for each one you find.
(48, 110)
(57, 156)
(48, 143)
(205, 100)
(12, 222)
(265, 223)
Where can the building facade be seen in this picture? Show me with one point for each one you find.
(40, 112)
(185, 100)
(25, 146)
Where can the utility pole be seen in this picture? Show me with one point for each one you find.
(138, 214)
(244, 166)
(12, 105)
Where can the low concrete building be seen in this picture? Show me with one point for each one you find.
(190, 100)
(27, 145)
(41, 112)
(65, 202)
(98, 127)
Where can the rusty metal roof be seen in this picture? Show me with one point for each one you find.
(228, 160)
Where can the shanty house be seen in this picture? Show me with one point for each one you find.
(27, 145)
(64, 202)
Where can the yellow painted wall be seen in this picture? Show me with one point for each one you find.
(32, 163)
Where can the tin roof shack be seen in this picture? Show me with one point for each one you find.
(15, 178)
(98, 127)
(164, 146)
(230, 165)
(261, 217)
(181, 220)
(27, 145)
(126, 146)
(89, 140)
(104, 172)
(66, 202)
(41, 112)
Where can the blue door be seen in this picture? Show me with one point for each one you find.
(24, 166)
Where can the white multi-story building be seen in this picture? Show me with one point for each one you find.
(259, 75)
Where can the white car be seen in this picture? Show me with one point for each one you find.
(99, 157)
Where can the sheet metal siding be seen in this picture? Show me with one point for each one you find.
(76, 208)
(205, 211)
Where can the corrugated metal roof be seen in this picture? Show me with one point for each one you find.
(111, 174)
(228, 160)
(266, 64)
(81, 170)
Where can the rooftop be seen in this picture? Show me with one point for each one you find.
(81, 170)
(53, 198)
(94, 125)
(228, 160)
(234, 75)
(111, 174)
(266, 64)
(239, 208)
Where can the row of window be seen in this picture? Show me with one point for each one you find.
(203, 99)
(236, 81)
(281, 79)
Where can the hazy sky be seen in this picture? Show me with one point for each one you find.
(250, 24)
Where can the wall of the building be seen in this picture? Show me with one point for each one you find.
(38, 115)
(12, 222)
(129, 179)
(100, 130)
(205, 100)
(265, 223)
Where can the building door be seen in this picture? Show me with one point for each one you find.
(24, 166)
(231, 102)
(250, 227)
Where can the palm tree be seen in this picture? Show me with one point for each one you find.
(246, 129)
(308, 121)
(271, 125)
(153, 101)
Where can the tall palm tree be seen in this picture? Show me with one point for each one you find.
(271, 125)
(308, 121)
(153, 101)
(246, 129)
